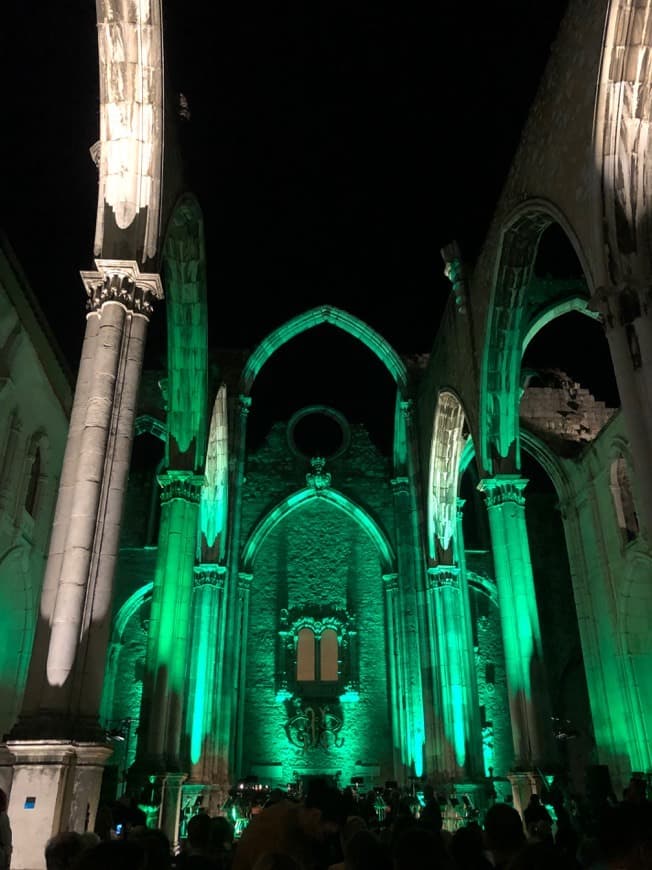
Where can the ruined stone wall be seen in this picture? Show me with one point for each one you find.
(563, 411)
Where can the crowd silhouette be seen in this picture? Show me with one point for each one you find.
(327, 828)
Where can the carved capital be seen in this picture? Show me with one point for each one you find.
(503, 489)
(208, 575)
(443, 577)
(180, 484)
(122, 281)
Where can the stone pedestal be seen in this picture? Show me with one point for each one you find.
(170, 808)
(56, 787)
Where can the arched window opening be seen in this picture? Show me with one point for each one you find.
(328, 656)
(32, 485)
(306, 656)
(621, 491)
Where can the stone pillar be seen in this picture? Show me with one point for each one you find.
(170, 621)
(627, 319)
(459, 756)
(476, 765)
(244, 593)
(529, 701)
(226, 719)
(58, 730)
(390, 583)
(408, 641)
(207, 601)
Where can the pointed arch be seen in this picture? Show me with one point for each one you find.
(506, 325)
(184, 278)
(316, 316)
(332, 496)
(576, 303)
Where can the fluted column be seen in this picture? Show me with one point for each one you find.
(207, 601)
(627, 318)
(475, 765)
(242, 638)
(409, 634)
(526, 685)
(458, 756)
(170, 621)
(226, 720)
(390, 586)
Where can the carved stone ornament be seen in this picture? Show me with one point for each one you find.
(122, 281)
(313, 726)
(318, 478)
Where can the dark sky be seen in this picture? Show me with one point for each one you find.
(334, 149)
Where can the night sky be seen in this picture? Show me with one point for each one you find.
(334, 149)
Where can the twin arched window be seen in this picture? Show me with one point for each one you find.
(317, 653)
(317, 656)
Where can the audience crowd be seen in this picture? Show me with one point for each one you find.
(330, 829)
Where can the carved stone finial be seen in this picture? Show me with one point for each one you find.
(184, 108)
(318, 478)
(454, 271)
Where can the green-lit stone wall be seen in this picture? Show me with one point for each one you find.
(317, 559)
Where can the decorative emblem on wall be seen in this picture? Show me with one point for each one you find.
(313, 726)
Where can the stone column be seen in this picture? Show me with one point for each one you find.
(459, 756)
(244, 593)
(226, 719)
(170, 621)
(526, 684)
(58, 729)
(408, 641)
(628, 328)
(207, 601)
(390, 584)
